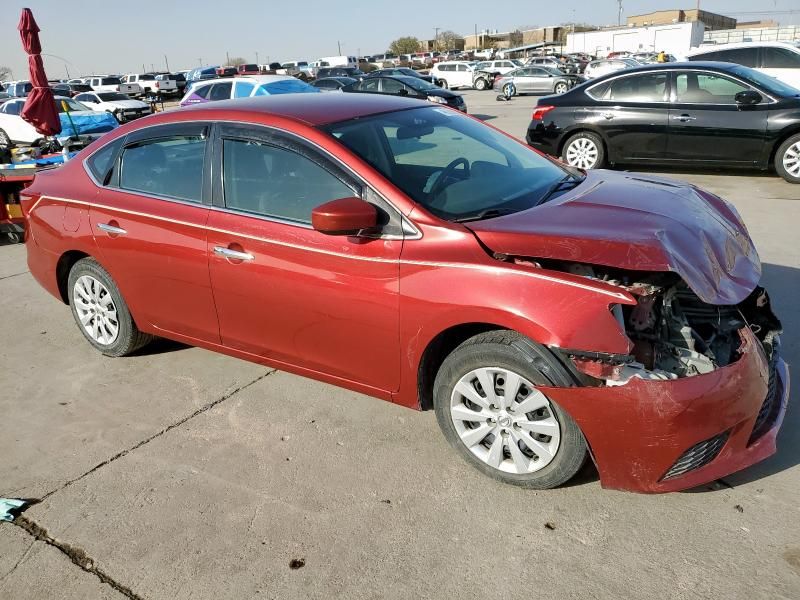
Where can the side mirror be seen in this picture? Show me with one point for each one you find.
(345, 216)
(747, 98)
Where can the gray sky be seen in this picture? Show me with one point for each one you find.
(118, 36)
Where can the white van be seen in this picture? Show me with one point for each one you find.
(338, 61)
(780, 60)
(453, 74)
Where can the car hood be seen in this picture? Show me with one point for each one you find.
(640, 223)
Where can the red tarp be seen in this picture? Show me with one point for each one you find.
(40, 107)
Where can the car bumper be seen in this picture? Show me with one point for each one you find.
(665, 436)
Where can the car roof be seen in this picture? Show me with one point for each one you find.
(310, 109)
(252, 78)
(733, 45)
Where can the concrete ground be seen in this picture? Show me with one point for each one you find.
(179, 473)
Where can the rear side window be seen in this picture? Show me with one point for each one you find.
(201, 91)
(779, 58)
(276, 182)
(171, 167)
(649, 87)
(100, 162)
(747, 57)
(220, 91)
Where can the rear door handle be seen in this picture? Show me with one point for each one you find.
(234, 254)
(108, 228)
(684, 118)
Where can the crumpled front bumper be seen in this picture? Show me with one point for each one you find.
(639, 430)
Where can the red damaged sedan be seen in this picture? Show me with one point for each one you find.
(412, 253)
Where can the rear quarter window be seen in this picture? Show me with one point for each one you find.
(100, 162)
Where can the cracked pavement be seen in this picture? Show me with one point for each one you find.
(179, 473)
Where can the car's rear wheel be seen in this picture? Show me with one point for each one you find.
(490, 411)
(584, 150)
(509, 90)
(560, 88)
(787, 159)
(481, 84)
(443, 84)
(100, 311)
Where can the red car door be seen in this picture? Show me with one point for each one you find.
(149, 223)
(286, 292)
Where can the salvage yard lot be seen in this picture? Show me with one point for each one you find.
(179, 473)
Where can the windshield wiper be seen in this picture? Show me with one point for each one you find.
(567, 183)
(489, 213)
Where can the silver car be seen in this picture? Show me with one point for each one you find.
(535, 80)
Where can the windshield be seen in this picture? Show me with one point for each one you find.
(770, 84)
(417, 83)
(454, 166)
(111, 96)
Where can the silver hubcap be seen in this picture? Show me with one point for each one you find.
(96, 310)
(582, 153)
(791, 160)
(504, 421)
(561, 88)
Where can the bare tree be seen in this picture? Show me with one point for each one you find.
(5, 73)
(238, 60)
(404, 45)
(447, 40)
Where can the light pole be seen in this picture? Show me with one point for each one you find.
(339, 44)
(256, 56)
(436, 38)
(199, 62)
(166, 62)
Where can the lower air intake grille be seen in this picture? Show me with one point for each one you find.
(697, 456)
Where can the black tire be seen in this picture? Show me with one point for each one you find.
(14, 237)
(510, 350)
(443, 84)
(595, 139)
(129, 338)
(509, 90)
(788, 151)
(5, 141)
(481, 84)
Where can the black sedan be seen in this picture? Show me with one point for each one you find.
(332, 84)
(412, 87)
(401, 71)
(700, 114)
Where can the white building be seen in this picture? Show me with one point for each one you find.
(676, 38)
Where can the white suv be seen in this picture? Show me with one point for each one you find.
(453, 74)
(777, 59)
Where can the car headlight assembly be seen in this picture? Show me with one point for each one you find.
(437, 99)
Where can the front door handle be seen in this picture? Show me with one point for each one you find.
(232, 254)
(607, 115)
(684, 118)
(112, 229)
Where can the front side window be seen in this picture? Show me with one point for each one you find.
(370, 85)
(287, 86)
(392, 86)
(243, 89)
(779, 58)
(171, 167)
(220, 91)
(272, 181)
(453, 166)
(706, 88)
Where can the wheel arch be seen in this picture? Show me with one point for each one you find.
(65, 263)
(784, 135)
(582, 128)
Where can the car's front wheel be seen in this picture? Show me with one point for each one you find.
(490, 411)
(584, 150)
(100, 311)
(787, 159)
(481, 84)
(5, 141)
(561, 88)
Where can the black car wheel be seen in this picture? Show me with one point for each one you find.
(490, 411)
(481, 84)
(561, 88)
(443, 84)
(509, 90)
(5, 141)
(787, 159)
(584, 150)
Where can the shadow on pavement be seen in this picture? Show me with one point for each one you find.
(483, 117)
(161, 346)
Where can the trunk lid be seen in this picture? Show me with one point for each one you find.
(640, 223)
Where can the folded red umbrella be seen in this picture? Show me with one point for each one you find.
(40, 107)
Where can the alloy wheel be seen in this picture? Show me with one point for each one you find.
(504, 421)
(560, 88)
(4, 139)
(96, 310)
(582, 153)
(791, 160)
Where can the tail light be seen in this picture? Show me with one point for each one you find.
(156, 85)
(540, 111)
